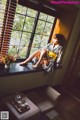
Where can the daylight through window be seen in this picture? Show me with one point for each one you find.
(31, 31)
(2, 12)
(24, 29)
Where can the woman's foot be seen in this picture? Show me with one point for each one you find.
(44, 66)
(34, 66)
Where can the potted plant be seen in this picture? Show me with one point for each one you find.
(7, 60)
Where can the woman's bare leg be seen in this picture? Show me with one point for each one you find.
(30, 57)
(42, 52)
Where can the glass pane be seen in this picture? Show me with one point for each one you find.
(13, 50)
(40, 27)
(43, 16)
(50, 19)
(31, 12)
(48, 28)
(21, 9)
(2, 4)
(1, 22)
(44, 41)
(22, 52)
(1, 14)
(29, 22)
(33, 50)
(18, 22)
(2, 11)
(37, 41)
(15, 38)
(1, 17)
(25, 39)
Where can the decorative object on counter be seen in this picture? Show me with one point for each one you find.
(7, 66)
(20, 103)
(7, 60)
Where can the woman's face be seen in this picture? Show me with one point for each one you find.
(54, 40)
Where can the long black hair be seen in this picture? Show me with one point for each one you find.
(61, 39)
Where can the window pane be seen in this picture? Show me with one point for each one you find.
(15, 38)
(14, 43)
(40, 41)
(44, 41)
(33, 50)
(40, 27)
(13, 50)
(37, 41)
(1, 22)
(2, 4)
(2, 11)
(50, 19)
(43, 16)
(21, 9)
(18, 22)
(29, 24)
(25, 39)
(48, 28)
(22, 52)
(31, 12)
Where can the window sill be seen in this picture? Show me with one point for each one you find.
(16, 69)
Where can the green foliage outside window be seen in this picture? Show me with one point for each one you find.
(23, 26)
(2, 11)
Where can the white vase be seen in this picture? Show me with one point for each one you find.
(7, 66)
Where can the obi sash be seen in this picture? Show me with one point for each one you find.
(52, 55)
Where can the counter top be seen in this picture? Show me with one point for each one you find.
(15, 68)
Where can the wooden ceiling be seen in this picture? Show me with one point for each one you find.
(60, 6)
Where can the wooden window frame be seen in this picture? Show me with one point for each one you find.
(9, 19)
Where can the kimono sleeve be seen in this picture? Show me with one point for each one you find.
(60, 52)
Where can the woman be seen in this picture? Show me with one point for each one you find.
(52, 52)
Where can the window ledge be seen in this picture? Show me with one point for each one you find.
(16, 69)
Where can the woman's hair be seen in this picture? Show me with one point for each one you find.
(61, 39)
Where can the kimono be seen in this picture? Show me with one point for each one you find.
(54, 54)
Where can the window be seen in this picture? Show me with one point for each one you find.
(2, 11)
(26, 29)
(43, 31)
(23, 28)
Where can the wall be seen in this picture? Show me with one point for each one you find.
(59, 74)
(14, 83)
(68, 26)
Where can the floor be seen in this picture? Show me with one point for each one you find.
(75, 89)
(68, 107)
(69, 104)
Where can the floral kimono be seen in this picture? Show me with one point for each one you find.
(54, 53)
